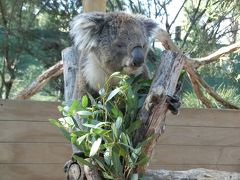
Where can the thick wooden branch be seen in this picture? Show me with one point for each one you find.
(72, 78)
(199, 93)
(197, 62)
(209, 90)
(155, 107)
(41, 81)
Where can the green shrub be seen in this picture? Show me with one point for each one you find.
(108, 126)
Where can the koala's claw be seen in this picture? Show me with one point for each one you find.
(174, 104)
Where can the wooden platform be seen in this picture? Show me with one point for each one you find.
(32, 149)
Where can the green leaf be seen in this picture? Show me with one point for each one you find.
(82, 161)
(95, 147)
(91, 99)
(123, 138)
(143, 161)
(101, 124)
(146, 141)
(102, 92)
(73, 138)
(93, 126)
(134, 126)
(73, 108)
(84, 113)
(80, 139)
(107, 176)
(59, 125)
(119, 123)
(114, 129)
(107, 157)
(69, 121)
(100, 163)
(115, 74)
(116, 161)
(84, 101)
(116, 112)
(113, 93)
(55, 122)
(101, 131)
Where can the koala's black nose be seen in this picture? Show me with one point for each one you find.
(138, 56)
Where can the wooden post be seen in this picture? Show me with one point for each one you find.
(70, 58)
(94, 5)
(72, 79)
(153, 112)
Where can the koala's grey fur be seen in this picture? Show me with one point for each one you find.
(106, 42)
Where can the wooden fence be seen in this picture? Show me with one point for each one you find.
(31, 148)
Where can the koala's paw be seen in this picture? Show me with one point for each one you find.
(174, 104)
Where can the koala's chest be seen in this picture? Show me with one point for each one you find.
(94, 74)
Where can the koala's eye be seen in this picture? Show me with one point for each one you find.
(120, 45)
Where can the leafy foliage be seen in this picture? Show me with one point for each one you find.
(108, 126)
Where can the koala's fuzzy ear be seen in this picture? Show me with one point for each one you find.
(149, 24)
(84, 29)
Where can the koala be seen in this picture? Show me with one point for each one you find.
(110, 42)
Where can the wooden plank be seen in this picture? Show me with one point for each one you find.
(18, 110)
(196, 155)
(35, 152)
(180, 135)
(205, 118)
(32, 172)
(26, 131)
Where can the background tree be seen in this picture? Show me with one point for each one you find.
(33, 33)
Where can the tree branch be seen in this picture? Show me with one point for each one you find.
(197, 62)
(209, 90)
(198, 92)
(41, 81)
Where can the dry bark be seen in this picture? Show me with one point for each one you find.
(72, 78)
(154, 110)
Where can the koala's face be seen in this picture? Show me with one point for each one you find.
(123, 44)
(119, 40)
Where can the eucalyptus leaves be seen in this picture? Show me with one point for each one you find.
(109, 123)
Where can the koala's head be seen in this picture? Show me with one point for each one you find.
(120, 41)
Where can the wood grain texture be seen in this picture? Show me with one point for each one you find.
(201, 136)
(32, 172)
(192, 156)
(27, 131)
(19, 110)
(34, 152)
(205, 118)
(197, 138)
